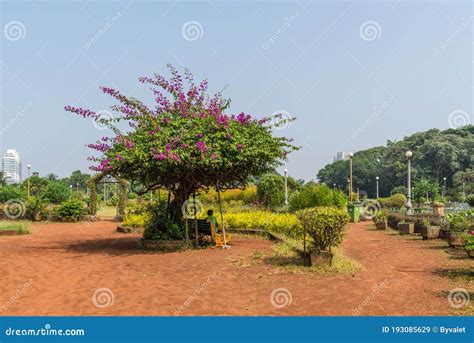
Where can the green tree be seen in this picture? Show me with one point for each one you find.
(56, 192)
(313, 195)
(423, 188)
(186, 143)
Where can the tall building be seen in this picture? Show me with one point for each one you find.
(339, 156)
(11, 166)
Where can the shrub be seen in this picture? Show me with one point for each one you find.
(271, 190)
(470, 200)
(71, 209)
(23, 228)
(461, 221)
(160, 227)
(381, 216)
(136, 220)
(247, 195)
(56, 193)
(395, 201)
(11, 192)
(325, 225)
(33, 206)
(284, 223)
(313, 195)
(469, 238)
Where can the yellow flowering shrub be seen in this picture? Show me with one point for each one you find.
(285, 223)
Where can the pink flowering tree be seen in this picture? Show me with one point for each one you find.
(185, 142)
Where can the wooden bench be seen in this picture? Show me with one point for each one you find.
(204, 228)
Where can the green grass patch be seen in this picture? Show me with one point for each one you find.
(287, 255)
(22, 228)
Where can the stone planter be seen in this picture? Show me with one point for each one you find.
(443, 233)
(37, 216)
(321, 258)
(8, 232)
(125, 229)
(406, 228)
(429, 232)
(161, 245)
(455, 240)
(381, 225)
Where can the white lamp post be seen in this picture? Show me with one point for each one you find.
(351, 155)
(444, 187)
(29, 168)
(286, 187)
(377, 186)
(408, 155)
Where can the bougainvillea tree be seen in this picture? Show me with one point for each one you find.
(185, 142)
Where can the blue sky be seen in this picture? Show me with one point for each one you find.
(353, 73)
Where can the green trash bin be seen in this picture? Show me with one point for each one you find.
(354, 212)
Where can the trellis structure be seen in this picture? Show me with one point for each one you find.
(104, 178)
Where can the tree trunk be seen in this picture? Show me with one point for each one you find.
(176, 205)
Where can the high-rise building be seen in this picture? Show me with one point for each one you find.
(339, 156)
(11, 166)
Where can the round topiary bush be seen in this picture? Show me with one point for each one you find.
(325, 225)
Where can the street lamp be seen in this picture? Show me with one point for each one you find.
(351, 155)
(377, 188)
(286, 187)
(70, 188)
(29, 169)
(444, 187)
(408, 205)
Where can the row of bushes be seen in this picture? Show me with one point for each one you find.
(284, 223)
(456, 221)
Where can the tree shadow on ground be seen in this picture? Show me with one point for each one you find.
(456, 273)
(119, 246)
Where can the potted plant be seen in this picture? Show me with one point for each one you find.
(469, 247)
(458, 224)
(326, 225)
(34, 207)
(406, 228)
(428, 231)
(381, 220)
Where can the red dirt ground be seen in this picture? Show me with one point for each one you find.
(67, 263)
